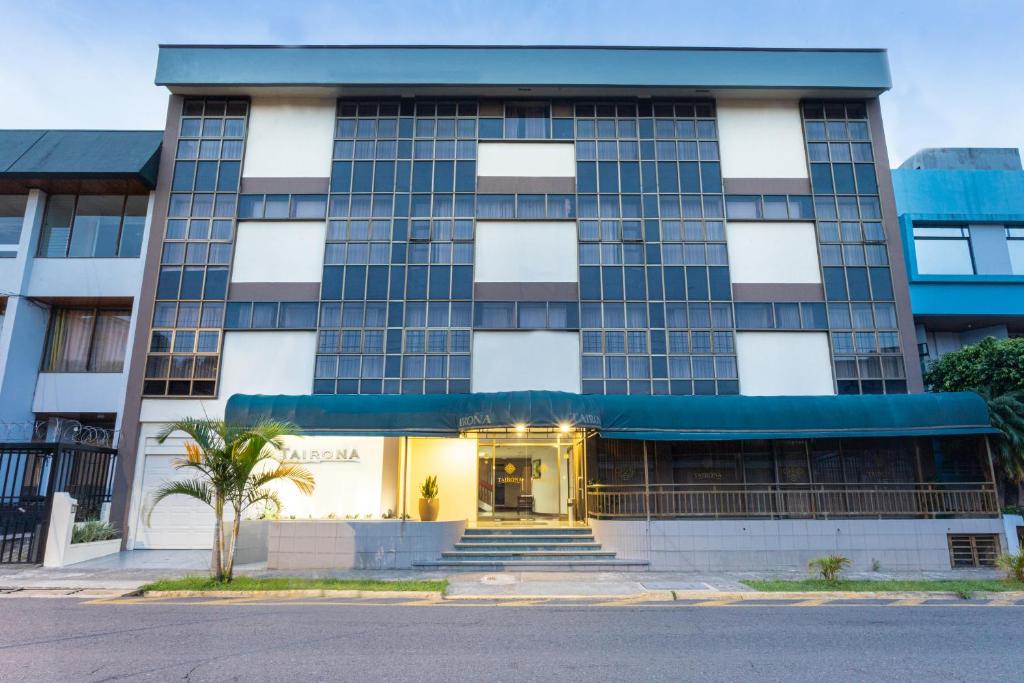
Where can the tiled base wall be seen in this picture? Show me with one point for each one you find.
(764, 545)
(340, 544)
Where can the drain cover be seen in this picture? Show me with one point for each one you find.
(498, 579)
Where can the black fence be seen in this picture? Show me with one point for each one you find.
(30, 474)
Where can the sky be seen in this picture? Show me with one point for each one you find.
(958, 66)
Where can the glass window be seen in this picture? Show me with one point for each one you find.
(86, 340)
(495, 315)
(12, 213)
(527, 121)
(1015, 244)
(56, 231)
(96, 226)
(943, 250)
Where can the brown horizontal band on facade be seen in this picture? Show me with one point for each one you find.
(520, 185)
(767, 185)
(526, 291)
(76, 185)
(274, 291)
(285, 185)
(809, 291)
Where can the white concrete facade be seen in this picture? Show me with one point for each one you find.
(776, 252)
(279, 251)
(761, 139)
(256, 362)
(526, 251)
(525, 360)
(289, 138)
(526, 159)
(788, 544)
(784, 363)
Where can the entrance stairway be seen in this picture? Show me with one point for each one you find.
(531, 549)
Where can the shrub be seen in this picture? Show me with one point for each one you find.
(1013, 565)
(828, 567)
(89, 532)
(428, 489)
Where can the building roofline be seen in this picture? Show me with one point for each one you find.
(554, 69)
(433, 46)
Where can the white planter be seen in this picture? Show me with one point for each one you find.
(80, 552)
(60, 551)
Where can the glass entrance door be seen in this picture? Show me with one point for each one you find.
(525, 477)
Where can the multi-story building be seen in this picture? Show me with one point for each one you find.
(659, 292)
(75, 208)
(961, 214)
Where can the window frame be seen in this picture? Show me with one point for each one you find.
(96, 312)
(1015, 236)
(74, 215)
(964, 236)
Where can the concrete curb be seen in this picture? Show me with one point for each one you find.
(653, 596)
(752, 596)
(293, 593)
(835, 595)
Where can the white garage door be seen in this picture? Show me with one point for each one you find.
(177, 522)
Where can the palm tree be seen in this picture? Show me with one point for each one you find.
(1007, 414)
(233, 464)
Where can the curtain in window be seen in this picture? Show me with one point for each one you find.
(109, 342)
(525, 121)
(70, 337)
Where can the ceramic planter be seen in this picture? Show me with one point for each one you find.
(429, 509)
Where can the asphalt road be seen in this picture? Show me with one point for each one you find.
(72, 640)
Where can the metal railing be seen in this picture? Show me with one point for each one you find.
(30, 474)
(804, 501)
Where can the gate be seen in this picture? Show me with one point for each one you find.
(30, 473)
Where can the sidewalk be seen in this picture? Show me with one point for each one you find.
(127, 571)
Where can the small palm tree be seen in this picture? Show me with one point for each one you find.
(234, 464)
(829, 567)
(1007, 414)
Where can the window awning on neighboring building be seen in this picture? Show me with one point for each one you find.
(672, 418)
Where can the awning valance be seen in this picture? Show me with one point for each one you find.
(675, 418)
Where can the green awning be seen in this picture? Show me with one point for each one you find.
(674, 418)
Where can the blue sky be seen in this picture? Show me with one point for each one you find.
(958, 67)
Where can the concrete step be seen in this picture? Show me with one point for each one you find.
(510, 538)
(529, 531)
(463, 545)
(614, 565)
(509, 555)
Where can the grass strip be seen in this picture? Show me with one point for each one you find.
(283, 583)
(958, 586)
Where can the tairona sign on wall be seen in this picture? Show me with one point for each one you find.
(315, 455)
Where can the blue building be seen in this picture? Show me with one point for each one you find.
(961, 213)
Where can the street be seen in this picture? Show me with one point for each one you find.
(323, 639)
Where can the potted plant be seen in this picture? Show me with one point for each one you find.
(430, 506)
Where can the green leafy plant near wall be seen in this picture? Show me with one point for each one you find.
(995, 369)
(90, 532)
(1013, 565)
(829, 567)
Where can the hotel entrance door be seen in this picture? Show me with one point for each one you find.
(524, 477)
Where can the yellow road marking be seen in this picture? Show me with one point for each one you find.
(907, 602)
